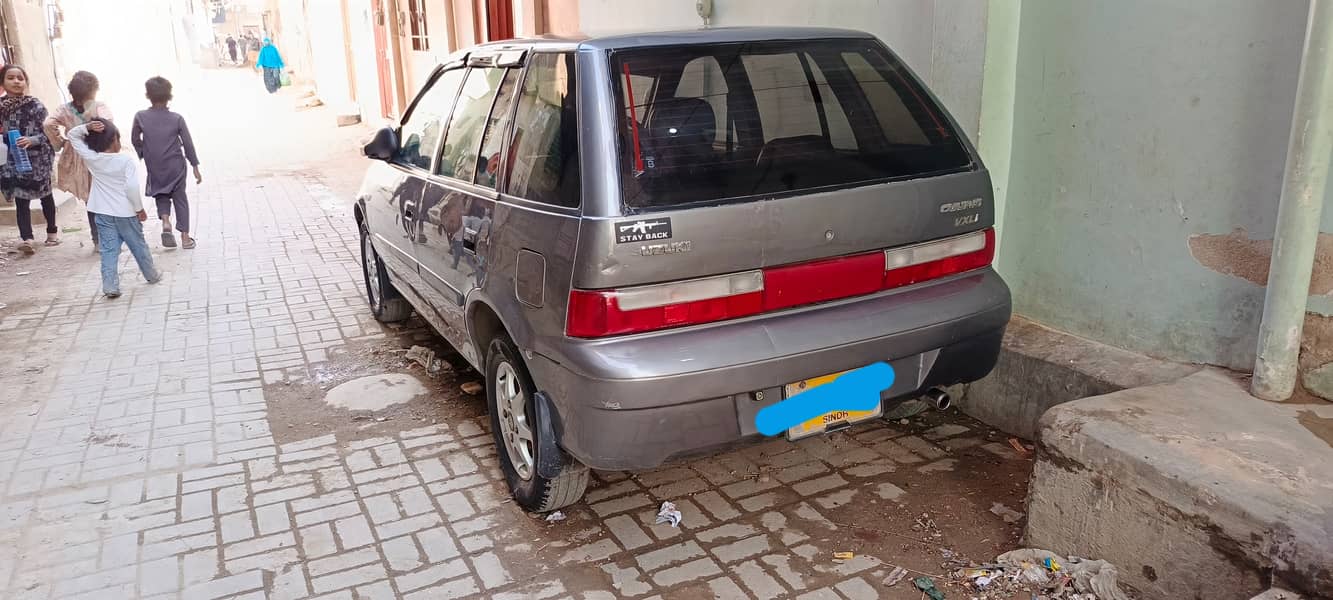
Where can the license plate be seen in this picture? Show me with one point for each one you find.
(827, 420)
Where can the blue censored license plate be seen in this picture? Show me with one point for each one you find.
(831, 419)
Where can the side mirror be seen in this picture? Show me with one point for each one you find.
(383, 146)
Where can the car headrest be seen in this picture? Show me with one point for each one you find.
(683, 122)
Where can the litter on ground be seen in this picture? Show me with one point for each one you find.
(1044, 574)
(433, 364)
(895, 577)
(668, 514)
(927, 587)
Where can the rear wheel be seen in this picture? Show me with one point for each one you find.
(518, 437)
(386, 303)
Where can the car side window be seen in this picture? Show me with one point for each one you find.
(497, 126)
(544, 159)
(421, 130)
(463, 140)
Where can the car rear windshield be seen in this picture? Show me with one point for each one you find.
(705, 123)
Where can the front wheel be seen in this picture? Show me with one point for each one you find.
(519, 438)
(386, 303)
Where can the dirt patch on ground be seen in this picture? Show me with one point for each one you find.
(297, 409)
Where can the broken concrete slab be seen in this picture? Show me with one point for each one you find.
(1040, 367)
(375, 392)
(1188, 486)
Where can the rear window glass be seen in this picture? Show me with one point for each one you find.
(704, 123)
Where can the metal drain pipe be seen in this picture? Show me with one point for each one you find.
(1303, 183)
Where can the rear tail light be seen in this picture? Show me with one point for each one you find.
(611, 312)
(601, 313)
(932, 260)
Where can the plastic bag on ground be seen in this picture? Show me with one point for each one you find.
(1096, 576)
(668, 514)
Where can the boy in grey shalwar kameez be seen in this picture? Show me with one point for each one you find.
(159, 136)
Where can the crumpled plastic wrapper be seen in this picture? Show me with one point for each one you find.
(668, 514)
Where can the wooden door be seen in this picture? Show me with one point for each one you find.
(382, 56)
(499, 19)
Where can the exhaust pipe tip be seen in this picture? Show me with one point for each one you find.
(939, 398)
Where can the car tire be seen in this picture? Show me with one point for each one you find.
(386, 304)
(506, 375)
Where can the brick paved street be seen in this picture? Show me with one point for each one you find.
(175, 443)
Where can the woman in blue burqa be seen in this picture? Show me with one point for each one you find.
(271, 62)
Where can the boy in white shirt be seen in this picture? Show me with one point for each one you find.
(115, 201)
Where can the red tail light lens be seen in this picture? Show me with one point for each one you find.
(932, 260)
(602, 313)
(650, 307)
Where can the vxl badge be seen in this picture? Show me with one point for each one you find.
(645, 230)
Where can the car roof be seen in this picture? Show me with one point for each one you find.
(714, 35)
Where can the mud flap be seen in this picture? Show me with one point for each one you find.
(550, 458)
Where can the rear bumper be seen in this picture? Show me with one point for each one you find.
(637, 401)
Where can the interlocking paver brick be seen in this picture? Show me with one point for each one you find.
(627, 532)
(628, 580)
(619, 505)
(409, 525)
(742, 549)
(490, 570)
(724, 588)
(690, 571)
(402, 553)
(822, 484)
(757, 580)
(272, 518)
(258, 545)
(318, 540)
(346, 579)
(651, 561)
(438, 544)
(227, 586)
(592, 552)
(716, 505)
(431, 576)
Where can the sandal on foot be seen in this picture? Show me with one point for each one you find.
(168, 240)
(26, 247)
(54, 242)
(188, 244)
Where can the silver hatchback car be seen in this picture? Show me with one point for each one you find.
(643, 240)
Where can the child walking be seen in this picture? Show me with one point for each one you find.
(115, 201)
(71, 174)
(159, 137)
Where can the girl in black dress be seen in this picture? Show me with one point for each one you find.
(23, 183)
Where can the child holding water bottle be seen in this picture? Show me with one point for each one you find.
(26, 174)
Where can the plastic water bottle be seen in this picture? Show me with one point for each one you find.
(21, 162)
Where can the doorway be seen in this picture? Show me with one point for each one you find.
(382, 57)
(499, 19)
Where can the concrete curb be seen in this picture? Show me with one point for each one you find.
(1040, 368)
(1187, 487)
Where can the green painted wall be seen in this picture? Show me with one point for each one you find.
(1136, 125)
